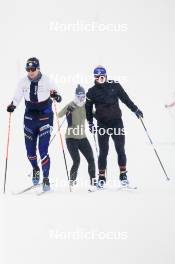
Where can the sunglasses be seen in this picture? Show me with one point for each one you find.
(81, 97)
(31, 69)
(98, 76)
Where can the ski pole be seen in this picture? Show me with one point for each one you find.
(167, 178)
(57, 131)
(30, 174)
(95, 141)
(62, 145)
(7, 151)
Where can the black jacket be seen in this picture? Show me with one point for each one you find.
(106, 99)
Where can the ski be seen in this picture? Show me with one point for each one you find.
(101, 189)
(28, 189)
(92, 190)
(44, 192)
(126, 188)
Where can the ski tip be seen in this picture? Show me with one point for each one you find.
(133, 188)
(128, 188)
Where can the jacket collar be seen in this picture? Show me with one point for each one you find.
(37, 78)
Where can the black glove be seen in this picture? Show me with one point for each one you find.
(92, 128)
(56, 96)
(139, 113)
(11, 108)
(70, 109)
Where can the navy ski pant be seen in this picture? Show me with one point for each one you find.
(38, 129)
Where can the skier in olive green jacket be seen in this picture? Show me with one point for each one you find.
(76, 139)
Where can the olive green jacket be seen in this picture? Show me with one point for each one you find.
(77, 130)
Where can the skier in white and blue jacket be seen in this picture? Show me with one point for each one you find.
(37, 90)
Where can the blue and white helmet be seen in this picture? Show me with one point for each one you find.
(99, 70)
(32, 63)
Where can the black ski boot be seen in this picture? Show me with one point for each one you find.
(36, 176)
(101, 179)
(72, 181)
(93, 186)
(46, 184)
(123, 179)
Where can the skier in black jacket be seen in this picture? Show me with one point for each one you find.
(105, 96)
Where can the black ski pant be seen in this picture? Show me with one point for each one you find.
(82, 145)
(119, 142)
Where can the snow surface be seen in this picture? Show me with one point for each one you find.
(108, 226)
